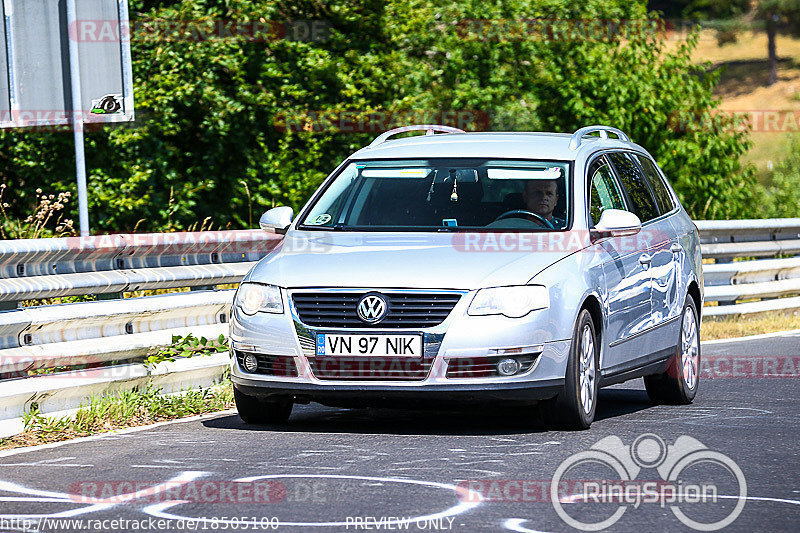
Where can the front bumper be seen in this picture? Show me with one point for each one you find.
(362, 395)
(459, 338)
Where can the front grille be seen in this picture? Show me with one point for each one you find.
(484, 367)
(405, 310)
(270, 365)
(371, 368)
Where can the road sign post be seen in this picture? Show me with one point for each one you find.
(77, 119)
(66, 63)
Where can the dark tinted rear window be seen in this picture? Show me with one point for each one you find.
(641, 199)
(653, 177)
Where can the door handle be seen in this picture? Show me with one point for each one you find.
(645, 260)
(675, 248)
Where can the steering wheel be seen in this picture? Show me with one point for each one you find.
(515, 213)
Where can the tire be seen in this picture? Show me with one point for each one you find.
(574, 408)
(678, 384)
(255, 411)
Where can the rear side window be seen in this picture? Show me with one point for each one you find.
(604, 192)
(660, 191)
(639, 196)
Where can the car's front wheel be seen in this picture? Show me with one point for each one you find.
(253, 410)
(678, 384)
(575, 406)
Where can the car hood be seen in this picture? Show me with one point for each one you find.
(403, 260)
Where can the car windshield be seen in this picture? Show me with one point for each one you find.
(457, 194)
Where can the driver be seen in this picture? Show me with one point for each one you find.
(541, 197)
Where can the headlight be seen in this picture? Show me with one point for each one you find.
(513, 302)
(254, 297)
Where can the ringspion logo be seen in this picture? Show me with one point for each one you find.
(704, 489)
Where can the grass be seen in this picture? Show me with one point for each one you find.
(123, 410)
(740, 326)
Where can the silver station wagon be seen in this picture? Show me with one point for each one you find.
(456, 268)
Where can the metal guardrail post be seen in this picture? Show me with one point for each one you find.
(724, 260)
(109, 296)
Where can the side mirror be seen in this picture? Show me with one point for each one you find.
(277, 219)
(617, 223)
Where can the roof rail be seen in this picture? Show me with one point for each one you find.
(578, 136)
(427, 128)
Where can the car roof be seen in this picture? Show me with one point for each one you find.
(499, 145)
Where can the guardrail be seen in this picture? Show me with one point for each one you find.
(108, 339)
(747, 277)
(98, 346)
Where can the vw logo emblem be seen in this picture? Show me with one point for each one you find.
(372, 308)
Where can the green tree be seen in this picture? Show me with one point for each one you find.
(700, 9)
(210, 139)
(778, 16)
(579, 74)
(783, 194)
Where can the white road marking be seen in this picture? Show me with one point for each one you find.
(94, 504)
(790, 333)
(515, 524)
(58, 461)
(470, 500)
(115, 433)
(69, 465)
(526, 453)
(763, 499)
(314, 467)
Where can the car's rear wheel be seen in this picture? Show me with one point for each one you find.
(253, 410)
(678, 384)
(574, 408)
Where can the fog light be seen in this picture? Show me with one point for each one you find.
(508, 367)
(250, 363)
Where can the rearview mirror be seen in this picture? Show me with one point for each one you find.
(618, 223)
(461, 175)
(277, 219)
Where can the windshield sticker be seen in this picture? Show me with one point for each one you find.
(319, 220)
(396, 172)
(523, 174)
(449, 222)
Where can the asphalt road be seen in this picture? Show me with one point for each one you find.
(378, 470)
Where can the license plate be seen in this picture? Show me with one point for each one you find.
(369, 345)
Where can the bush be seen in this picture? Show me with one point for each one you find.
(783, 193)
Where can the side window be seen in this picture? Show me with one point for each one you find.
(663, 197)
(603, 190)
(641, 199)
